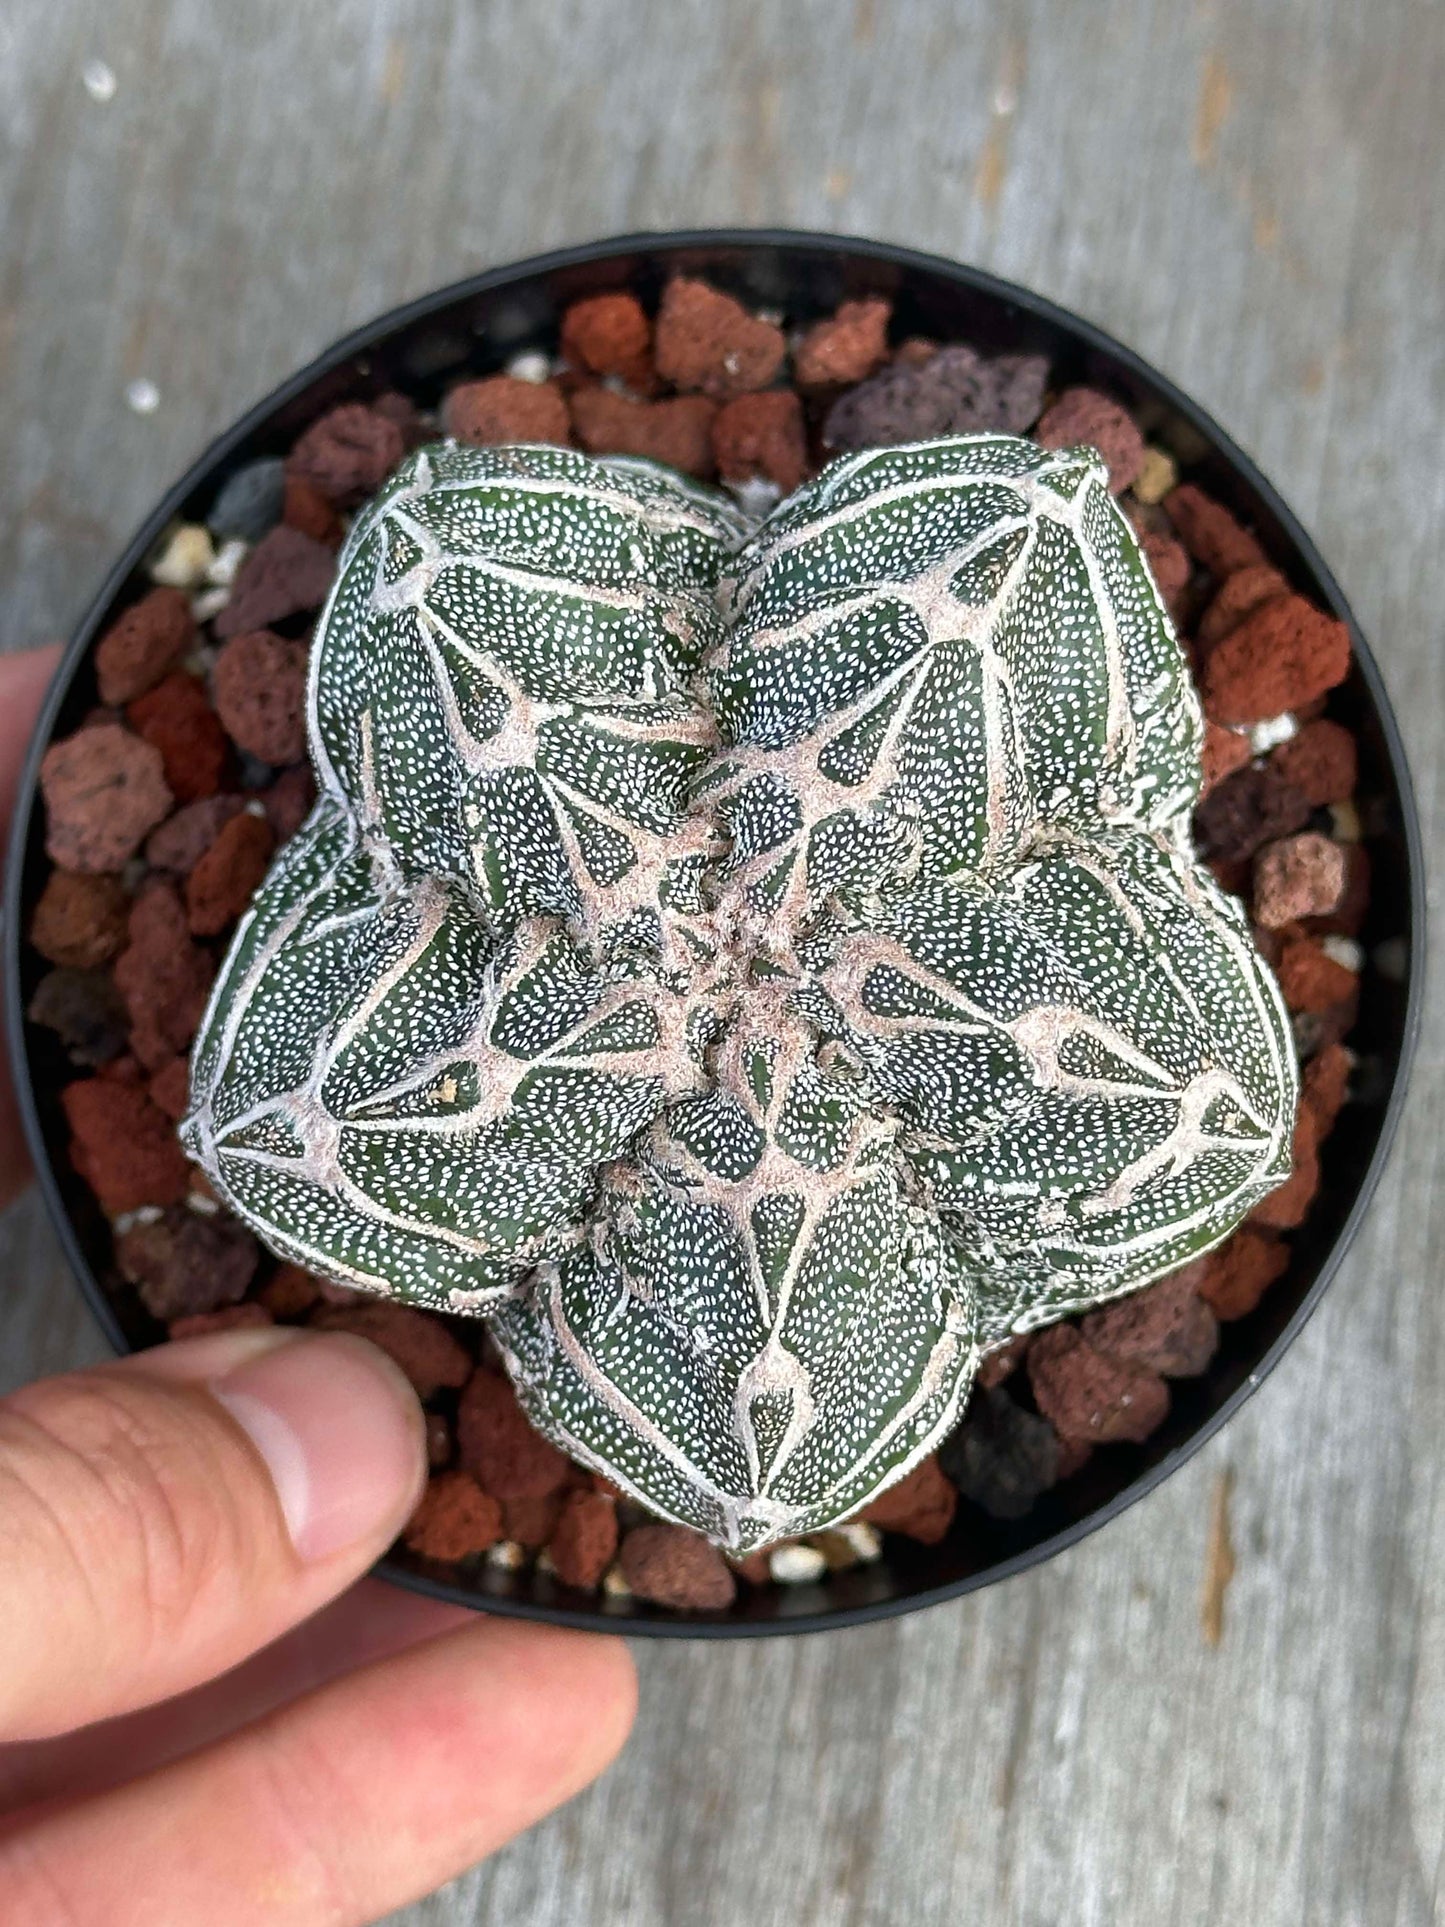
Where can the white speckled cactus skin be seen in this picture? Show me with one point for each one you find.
(757, 973)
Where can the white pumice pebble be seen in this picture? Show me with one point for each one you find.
(614, 1584)
(756, 496)
(1268, 735)
(531, 365)
(226, 561)
(796, 1565)
(209, 603)
(1344, 951)
(203, 1206)
(507, 1555)
(866, 1540)
(188, 554)
(1157, 475)
(1345, 822)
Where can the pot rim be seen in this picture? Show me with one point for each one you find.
(357, 343)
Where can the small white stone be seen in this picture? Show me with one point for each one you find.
(128, 1220)
(142, 396)
(530, 365)
(203, 1206)
(209, 603)
(507, 1555)
(187, 555)
(1345, 822)
(98, 80)
(866, 1540)
(796, 1565)
(228, 559)
(614, 1584)
(1344, 951)
(1157, 476)
(544, 1562)
(1268, 735)
(756, 496)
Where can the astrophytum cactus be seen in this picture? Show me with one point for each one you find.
(758, 973)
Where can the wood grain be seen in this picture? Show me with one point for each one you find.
(1250, 192)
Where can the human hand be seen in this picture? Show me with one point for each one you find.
(206, 1713)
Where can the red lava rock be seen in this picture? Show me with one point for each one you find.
(289, 1292)
(177, 720)
(1090, 1397)
(183, 1262)
(1001, 1363)
(1166, 1327)
(348, 454)
(1238, 596)
(846, 347)
(1321, 762)
(1171, 568)
(226, 877)
(142, 644)
(921, 1505)
(1286, 1208)
(123, 1070)
(183, 839)
(305, 508)
(402, 410)
(677, 431)
(608, 334)
(1280, 657)
(170, 1088)
(1225, 751)
(504, 409)
(954, 391)
(1237, 1275)
(531, 1522)
(674, 1567)
(584, 1540)
(164, 977)
(1310, 978)
(419, 1344)
(1250, 808)
(762, 434)
(1211, 534)
(1301, 876)
(104, 790)
(259, 683)
(1348, 915)
(288, 801)
(706, 340)
(1083, 415)
(1326, 1085)
(228, 1318)
(439, 1442)
(286, 574)
(86, 1012)
(496, 1442)
(455, 1520)
(79, 920)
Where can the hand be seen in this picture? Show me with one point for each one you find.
(207, 1714)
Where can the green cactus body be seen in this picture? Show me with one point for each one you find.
(758, 972)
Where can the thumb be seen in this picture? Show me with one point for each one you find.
(163, 1517)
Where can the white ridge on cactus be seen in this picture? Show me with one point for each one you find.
(757, 971)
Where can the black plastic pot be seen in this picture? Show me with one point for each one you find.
(474, 327)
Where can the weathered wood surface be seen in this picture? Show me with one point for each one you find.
(1250, 192)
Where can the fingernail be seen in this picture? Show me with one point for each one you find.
(341, 1433)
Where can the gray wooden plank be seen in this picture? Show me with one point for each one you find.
(1247, 190)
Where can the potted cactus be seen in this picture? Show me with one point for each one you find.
(758, 971)
(666, 865)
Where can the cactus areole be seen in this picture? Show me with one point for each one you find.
(758, 970)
